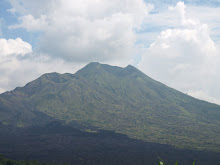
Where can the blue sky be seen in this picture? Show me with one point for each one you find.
(8, 19)
(175, 42)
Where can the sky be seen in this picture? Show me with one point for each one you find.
(174, 42)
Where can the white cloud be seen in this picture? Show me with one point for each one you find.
(184, 53)
(72, 32)
(210, 17)
(19, 65)
(30, 23)
(180, 15)
(179, 9)
(11, 10)
(84, 30)
(16, 47)
(204, 96)
(184, 57)
(17, 72)
(10, 52)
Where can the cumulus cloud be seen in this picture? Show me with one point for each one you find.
(30, 23)
(210, 17)
(10, 52)
(185, 58)
(179, 9)
(24, 71)
(15, 70)
(179, 16)
(16, 47)
(72, 33)
(84, 30)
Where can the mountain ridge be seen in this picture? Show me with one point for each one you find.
(124, 100)
(71, 75)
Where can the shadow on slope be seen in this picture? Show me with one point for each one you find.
(58, 143)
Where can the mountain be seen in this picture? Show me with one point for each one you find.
(122, 100)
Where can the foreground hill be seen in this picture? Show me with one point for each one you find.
(122, 100)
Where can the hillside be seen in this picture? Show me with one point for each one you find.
(122, 100)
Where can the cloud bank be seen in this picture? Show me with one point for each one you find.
(84, 30)
(184, 57)
(19, 64)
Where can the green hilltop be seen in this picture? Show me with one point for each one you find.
(123, 100)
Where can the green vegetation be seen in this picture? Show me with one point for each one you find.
(163, 163)
(5, 161)
(123, 100)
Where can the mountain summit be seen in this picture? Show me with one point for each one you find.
(123, 100)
